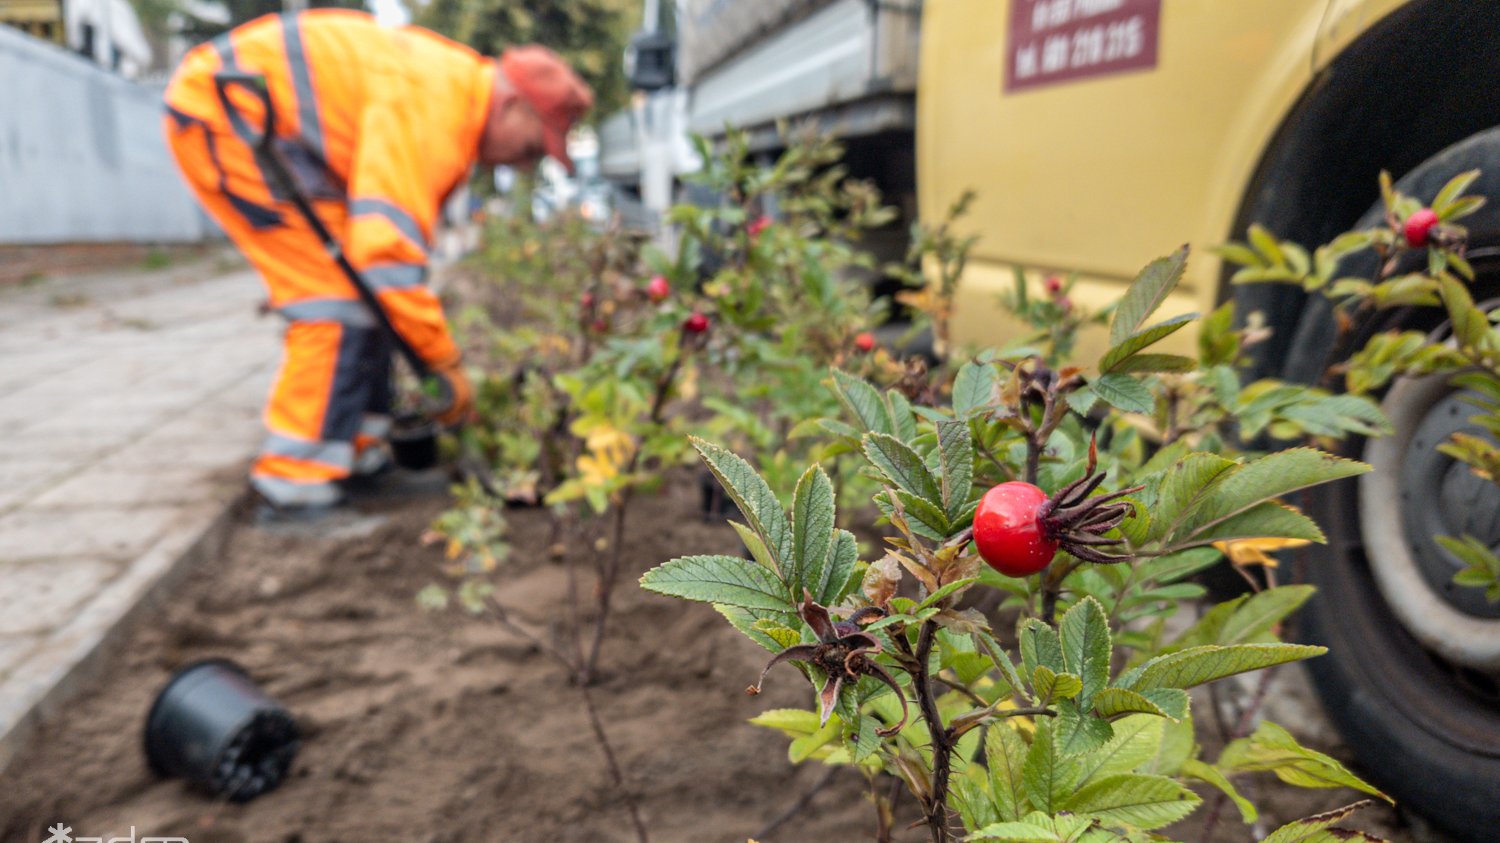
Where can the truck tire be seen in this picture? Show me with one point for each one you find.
(1412, 676)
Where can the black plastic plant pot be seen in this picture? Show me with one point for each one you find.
(414, 443)
(214, 728)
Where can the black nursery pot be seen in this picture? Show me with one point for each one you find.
(414, 443)
(213, 727)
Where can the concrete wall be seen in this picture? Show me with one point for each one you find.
(82, 156)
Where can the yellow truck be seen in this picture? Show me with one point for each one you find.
(1100, 134)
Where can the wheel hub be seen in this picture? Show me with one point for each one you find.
(1442, 496)
(1415, 493)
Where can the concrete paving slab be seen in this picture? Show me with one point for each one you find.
(126, 424)
(43, 594)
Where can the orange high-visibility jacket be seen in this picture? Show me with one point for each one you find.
(387, 121)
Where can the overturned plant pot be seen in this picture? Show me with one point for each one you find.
(214, 728)
(414, 443)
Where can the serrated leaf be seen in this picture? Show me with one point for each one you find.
(1182, 488)
(1005, 753)
(946, 590)
(1271, 476)
(1048, 776)
(718, 579)
(1112, 702)
(1124, 392)
(1205, 772)
(1082, 401)
(1040, 646)
(903, 424)
(1078, 730)
(863, 402)
(1270, 747)
(1137, 739)
(1086, 646)
(921, 512)
(974, 388)
(1197, 665)
(802, 748)
(812, 530)
(1317, 828)
(793, 722)
(1141, 364)
(1140, 340)
(1264, 520)
(865, 740)
(1147, 292)
(755, 499)
(1055, 686)
(838, 575)
(903, 467)
(1135, 800)
(957, 448)
(756, 547)
(748, 622)
(1262, 611)
(1019, 832)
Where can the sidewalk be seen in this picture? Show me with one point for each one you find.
(129, 407)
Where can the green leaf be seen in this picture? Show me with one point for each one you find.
(1040, 646)
(1078, 730)
(1134, 799)
(1205, 772)
(1452, 190)
(1319, 828)
(1142, 364)
(902, 467)
(812, 531)
(1136, 740)
(1048, 776)
(1271, 476)
(974, 388)
(1273, 748)
(1086, 646)
(946, 590)
(1040, 831)
(1262, 611)
(1055, 686)
(749, 622)
(1124, 392)
(793, 722)
(865, 740)
(1112, 702)
(1005, 753)
(755, 499)
(756, 547)
(1469, 324)
(1197, 665)
(802, 748)
(957, 449)
(838, 575)
(718, 579)
(1146, 293)
(902, 422)
(1140, 340)
(863, 402)
(1265, 520)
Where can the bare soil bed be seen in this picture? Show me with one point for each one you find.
(441, 727)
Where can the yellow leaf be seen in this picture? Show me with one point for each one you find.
(1256, 551)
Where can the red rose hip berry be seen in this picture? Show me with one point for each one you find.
(1418, 227)
(657, 289)
(697, 323)
(1010, 529)
(864, 341)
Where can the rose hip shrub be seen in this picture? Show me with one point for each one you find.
(1061, 711)
(1421, 257)
(599, 353)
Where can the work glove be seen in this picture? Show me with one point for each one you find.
(455, 406)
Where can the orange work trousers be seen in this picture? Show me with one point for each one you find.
(330, 404)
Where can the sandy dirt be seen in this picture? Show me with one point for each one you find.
(442, 727)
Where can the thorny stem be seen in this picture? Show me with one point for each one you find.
(614, 766)
(799, 806)
(936, 806)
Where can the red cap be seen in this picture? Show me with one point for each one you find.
(559, 97)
